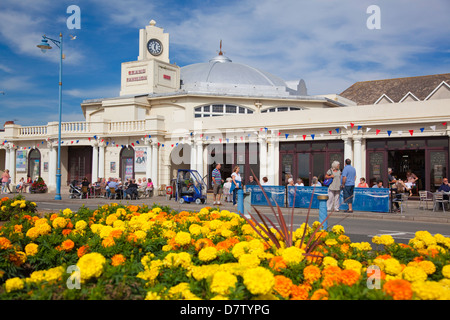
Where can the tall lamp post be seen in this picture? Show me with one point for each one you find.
(44, 46)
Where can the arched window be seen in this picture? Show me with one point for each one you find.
(127, 163)
(34, 163)
(214, 110)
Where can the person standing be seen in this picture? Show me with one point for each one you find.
(334, 189)
(5, 181)
(236, 183)
(348, 178)
(217, 184)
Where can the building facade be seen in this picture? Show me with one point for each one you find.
(167, 118)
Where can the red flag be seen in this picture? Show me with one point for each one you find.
(352, 124)
(330, 131)
(444, 123)
(411, 132)
(172, 145)
(304, 136)
(132, 144)
(378, 131)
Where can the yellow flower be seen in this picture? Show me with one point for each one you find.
(429, 290)
(329, 261)
(195, 229)
(240, 248)
(249, 260)
(293, 255)
(140, 234)
(14, 284)
(59, 222)
(31, 249)
(331, 242)
(33, 233)
(392, 266)
(110, 219)
(207, 254)
(152, 296)
(363, 246)
(446, 271)
(338, 229)
(222, 281)
(384, 239)
(67, 212)
(182, 259)
(183, 238)
(80, 225)
(259, 280)
(413, 274)
(353, 265)
(427, 266)
(91, 265)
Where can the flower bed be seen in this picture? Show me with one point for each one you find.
(138, 252)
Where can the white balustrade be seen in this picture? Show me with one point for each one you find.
(126, 126)
(33, 131)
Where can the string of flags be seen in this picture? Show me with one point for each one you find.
(295, 136)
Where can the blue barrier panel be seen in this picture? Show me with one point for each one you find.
(276, 195)
(364, 199)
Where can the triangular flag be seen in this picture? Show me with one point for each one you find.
(337, 130)
(295, 136)
(304, 136)
(162, 145)
(389, 132)
(352, 125)
(433, 128)
(228, 140)
(400, 132)
(242, 138)
(330, 132)
(220, 140)
(411, 132)
(172, 146)
(378, 131)
(137, 141)
(321, 135)
(444, 123)
(279, 133)
(421, 129)
(368, 129)
(287, 134)
(312, 136)
(359, 127)
(89, 139)
(345, 126)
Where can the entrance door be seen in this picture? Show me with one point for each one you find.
(34, 164)
(80, 163)
(402, 161)
(303, 168)
(127, 164)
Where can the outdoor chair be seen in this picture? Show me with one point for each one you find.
(402, 201)
(439, 199)
(162, 190)
(424, 198)
(85, 191)
(113, 193)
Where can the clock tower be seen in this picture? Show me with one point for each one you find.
(152, 72)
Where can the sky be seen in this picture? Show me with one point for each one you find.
(325, 42)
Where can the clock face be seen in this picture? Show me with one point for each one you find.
(154, 46)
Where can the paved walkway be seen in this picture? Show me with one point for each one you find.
(412, 212)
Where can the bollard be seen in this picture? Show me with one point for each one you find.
(323, 210)
(240, 201)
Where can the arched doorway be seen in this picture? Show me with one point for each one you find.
(34, 163)
(127, 163)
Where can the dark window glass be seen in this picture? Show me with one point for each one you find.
(335, 145)
(249, 111)
(280, 109)
(217, 108)
(438, 143)
(206, 108)
(372, 144)
(396, 144)
(241, 110)
(230, 109)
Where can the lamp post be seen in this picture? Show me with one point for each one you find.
(44, 46)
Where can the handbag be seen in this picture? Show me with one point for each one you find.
(328, 181)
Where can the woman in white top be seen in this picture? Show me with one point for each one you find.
(299, 183)
(236, 183)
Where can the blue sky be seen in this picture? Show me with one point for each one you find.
(324, 42)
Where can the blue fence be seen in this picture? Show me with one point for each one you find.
(364, 199)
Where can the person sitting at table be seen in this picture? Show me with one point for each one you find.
(445, 187)
(149, 187)
(20, 185)
(315, 182)
(85, 183)
(379, 184)
(363, 183)
(299, 183)
(112, 184)
(132, 189)
(411, 179)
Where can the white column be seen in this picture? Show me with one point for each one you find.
(101, 162)
(193, 164)
(148, 162)
(262, 157)
(348, 154)
(155, 168)
(357, 156)
(271, 164)
(200, 157)
(7, 158)
(94, 163)
(53, 158)
(12, 165)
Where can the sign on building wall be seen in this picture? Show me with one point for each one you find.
(140, 159)
(21, 161)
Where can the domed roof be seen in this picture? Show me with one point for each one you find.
(221, 75)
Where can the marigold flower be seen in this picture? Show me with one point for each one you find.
(399, 289)
(31, 249)
(249, 260)
(222, 282)
(446, 271)
(59, 222)
(427, 266)
(259, 280)
(414, 274)
(108, 242)
(311, 273)
(277, 263)
(82, 251)
(429, 290)
(299, 293)
(349, 277)
(293, 255)
(67, 245)
(14, 284)
(117, 260)
(5, 243)
(338, 229)
(183, 238)
(283, 286)
(320, 294)
(207, 254)
(91, 265)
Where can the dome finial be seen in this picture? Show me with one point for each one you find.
(220, 52)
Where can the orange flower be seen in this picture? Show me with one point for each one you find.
(67, 245)
(28, 217)
(82, 251)
(18, 258)
(399, 289)
(53, 216)
(283, 286)
(18, 228)
(117, 233)
(108, 242)
(4, 243)
(5, 199)
(133, 208)
(117, 260)
(203, 243)
(314, 257)
(299, 293)
(311, 274)
(69, 225)
(330, 280)
(384, 256)
(227, 244)
(66, 232)
(349, 277)
(320, 294)
(277, 263)
(132, 238)
(331, 270)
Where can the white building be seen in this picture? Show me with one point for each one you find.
(168, 117)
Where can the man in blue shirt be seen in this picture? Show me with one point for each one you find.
(217, 183)
(348, 178)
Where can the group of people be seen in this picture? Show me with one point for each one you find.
(130, 187)
(21, 185)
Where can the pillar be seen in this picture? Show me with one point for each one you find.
(154, 176)
(12, 165)
(193, 163)
(357, 157)
(94, 163)
(200, 157)
(148, 162)
(262, 157)
(348, 154)
(7, 158)
(53, 159)
(101, 161)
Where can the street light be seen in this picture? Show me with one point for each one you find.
(44, 46)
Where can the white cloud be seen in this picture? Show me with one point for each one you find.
(93, 93)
